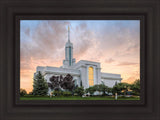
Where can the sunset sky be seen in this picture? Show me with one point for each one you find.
(113, 43)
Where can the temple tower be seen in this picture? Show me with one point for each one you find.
(69, 60)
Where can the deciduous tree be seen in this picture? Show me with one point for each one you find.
(58, 83)
(135, 87)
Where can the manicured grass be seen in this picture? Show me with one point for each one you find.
(77, 98)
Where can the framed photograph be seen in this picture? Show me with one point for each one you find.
(107, 54)
(79, 60)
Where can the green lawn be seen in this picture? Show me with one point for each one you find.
(77, 98)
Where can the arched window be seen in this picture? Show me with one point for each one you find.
(90, 76)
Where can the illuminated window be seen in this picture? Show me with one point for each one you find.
(90, 76)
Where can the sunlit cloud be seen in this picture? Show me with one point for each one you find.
(126, 63)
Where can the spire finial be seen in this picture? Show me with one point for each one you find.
(68, 34)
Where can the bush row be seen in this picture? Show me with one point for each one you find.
(61, 93)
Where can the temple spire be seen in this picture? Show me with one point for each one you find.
(69, 60)
(68, 34)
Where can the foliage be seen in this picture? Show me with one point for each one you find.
(122, 88)
(62, 93)
(79, 91)
(67, 93)
(58, 82)
(101, 88)
(68, 83)
(118, 88)
(30, 93)
(22, 92)
(58, 93)
(55, 82)
(96, 88)
(110, 90)
(40, 86)
(90, 90)
(136, 87)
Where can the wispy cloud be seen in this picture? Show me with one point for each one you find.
(110, 60)
(126, 63)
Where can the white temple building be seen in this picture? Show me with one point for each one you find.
(85, 73)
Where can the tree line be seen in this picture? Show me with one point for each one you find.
(65, 86)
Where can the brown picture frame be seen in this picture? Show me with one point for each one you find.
(13, 11)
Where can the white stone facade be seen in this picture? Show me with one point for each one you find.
(79, 70)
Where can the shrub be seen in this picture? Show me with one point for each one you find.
(121, 87)
(67, 93)
(103, 88)
(58, 93)
(30, 93)
(100, 88)
(27, 95)
(79, 91)
(90, 90)
(22, 92)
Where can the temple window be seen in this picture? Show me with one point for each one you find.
(90, 76)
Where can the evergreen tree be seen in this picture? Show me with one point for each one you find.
(40, 86)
